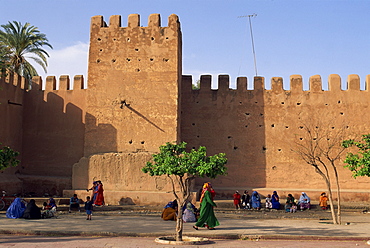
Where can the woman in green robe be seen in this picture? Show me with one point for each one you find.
(207, 216)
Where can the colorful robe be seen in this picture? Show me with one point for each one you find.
(207, 215)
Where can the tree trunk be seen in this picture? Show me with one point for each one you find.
(330, 195)
(179, 224)
(339, 217)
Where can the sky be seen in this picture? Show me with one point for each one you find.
(310, 37)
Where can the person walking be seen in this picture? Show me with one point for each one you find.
(207, 216)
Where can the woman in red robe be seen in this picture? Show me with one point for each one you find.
(99, 200)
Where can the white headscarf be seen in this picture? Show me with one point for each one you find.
(303, 197)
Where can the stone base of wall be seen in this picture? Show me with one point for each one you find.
(43, 185)
(10, 183)
(142, 198)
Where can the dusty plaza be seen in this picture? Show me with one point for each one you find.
(72, 131)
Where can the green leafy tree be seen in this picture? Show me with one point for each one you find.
(20, 43)
(182, 168)
(8, 158)
(358, 163)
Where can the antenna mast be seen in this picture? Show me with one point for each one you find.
(250, 27)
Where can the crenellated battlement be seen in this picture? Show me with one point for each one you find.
(154, 21)
(296, 84)
(63, 84)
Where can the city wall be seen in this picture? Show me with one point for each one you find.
(137, 99)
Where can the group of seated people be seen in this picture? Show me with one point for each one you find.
(29, 210)
(273, 201)
(189, 212)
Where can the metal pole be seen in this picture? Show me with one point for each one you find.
(254, 52)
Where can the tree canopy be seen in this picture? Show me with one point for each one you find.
(8, 157)
(174, 160)
(358, 163)
(18, 43)
(182, 167)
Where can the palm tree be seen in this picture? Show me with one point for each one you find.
(19, 42)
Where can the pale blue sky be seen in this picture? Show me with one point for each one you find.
(291, 36)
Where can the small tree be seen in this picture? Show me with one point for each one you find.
(320, 147)
(182, 167)
(8, 158)
(359, 163)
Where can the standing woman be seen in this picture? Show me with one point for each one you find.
(99, 201)
(207, 216)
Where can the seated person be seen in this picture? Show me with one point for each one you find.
(16, 209)
(74, 202)
(49, 208)
(304, 201)
(275, 200)
(32, 211)
(170, 211)
(189, 214)
(289, 202)
(268, 202)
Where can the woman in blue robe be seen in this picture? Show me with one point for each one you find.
(256, 200)
(16, 209)
(275, 200)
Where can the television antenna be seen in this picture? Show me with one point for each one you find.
(250, 27)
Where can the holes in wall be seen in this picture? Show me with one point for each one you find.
(229, 137)
(255, 102)
(165, 60)
(282, 102)
(272, 125)
(100, 50)
(193, 147)
(279, 150)
(113, 60)
(99, 39)
(260, 125)
(300, 127)
(332, 127)
(264, 148)
(136, 49)
(138, 59)
(193, 124)
(240, 102)
(339, 101)
(142, 142)
(166, 38)
(341, 113)
(314, 139)
(273, 167)
(98, 61)
(235, 147)
(300, 138)
(151, 59)
(137, 70)
(261, 114)
(298, 103)
(152, 38)
(287, 127)
(247, 113)
(347, 127)
(130, 142)
(326, 104)
(128, 39)
(197, 136)
(114, 39)
(246, 125)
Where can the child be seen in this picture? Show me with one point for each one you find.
(293, 208)
(237, 197)
(268, 202)
(323, 201)
(88, 207)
